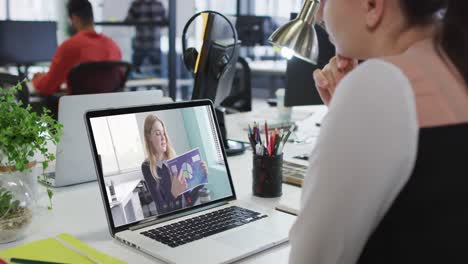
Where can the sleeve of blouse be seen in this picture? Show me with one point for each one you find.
(364, 155)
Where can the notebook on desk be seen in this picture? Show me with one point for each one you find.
(183, 228)
(61, 249)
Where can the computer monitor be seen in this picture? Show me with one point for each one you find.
(27, 42)
(254, 30)
(207, 83)
(212, 81)
(300, 85)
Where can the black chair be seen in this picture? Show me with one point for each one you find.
(9, 80)
(240, 98)
(145, 198)
(99, 77)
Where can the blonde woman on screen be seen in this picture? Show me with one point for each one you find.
(164, 187)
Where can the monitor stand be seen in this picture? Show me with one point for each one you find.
(231, 147)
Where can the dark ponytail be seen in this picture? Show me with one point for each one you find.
(453, 37)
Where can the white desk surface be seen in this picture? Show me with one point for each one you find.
(78, 210)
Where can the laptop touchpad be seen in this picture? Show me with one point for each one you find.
(248, 238)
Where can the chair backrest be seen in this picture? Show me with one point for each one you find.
(240, 98)
(9, 80)
(99, 77)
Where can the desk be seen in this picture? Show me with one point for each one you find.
(131, 83)
(156, 82)
(78, 210)
(304, 137)
(127, 207)
(275, 71)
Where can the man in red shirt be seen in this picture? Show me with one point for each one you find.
(85, 46)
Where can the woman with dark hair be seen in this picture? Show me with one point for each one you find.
(387, 181)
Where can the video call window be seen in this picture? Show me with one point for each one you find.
(160, 162)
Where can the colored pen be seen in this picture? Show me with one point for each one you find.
(288, 134)
(278, 142)
(31, 261)
(252, 143)
(280, 148)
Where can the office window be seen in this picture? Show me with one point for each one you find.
(225, 7)
(120, 144)
(276, 8)
(33, 10)
(2, 9)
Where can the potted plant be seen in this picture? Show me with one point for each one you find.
(23, 135)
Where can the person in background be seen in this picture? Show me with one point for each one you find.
(387, 178)
(146, 44)
(165, 188)
(85, 46)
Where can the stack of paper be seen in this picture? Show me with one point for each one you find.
(291, 201)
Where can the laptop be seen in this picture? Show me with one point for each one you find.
(74, 163)
(193, 215)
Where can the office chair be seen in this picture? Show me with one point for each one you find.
(240, 99)
(145, 198)
(9, 80)
(99, 77)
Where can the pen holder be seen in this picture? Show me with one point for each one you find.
(267, 176)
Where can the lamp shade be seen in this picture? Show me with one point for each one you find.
(298, 37)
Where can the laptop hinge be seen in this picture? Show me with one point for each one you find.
(158, 221)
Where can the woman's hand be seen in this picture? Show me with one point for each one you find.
(204, 167)
(179, 184)
(328, 78)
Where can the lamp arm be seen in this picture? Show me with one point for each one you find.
(309, 11)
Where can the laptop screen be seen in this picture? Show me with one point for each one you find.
(160, 161)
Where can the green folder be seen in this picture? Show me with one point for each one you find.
(52, 250)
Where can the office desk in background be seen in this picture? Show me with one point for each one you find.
(268, 67)
(273, 73)
(127, 207)
(149, 82)
(78, 209)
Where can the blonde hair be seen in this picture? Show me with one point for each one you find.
(152, 156)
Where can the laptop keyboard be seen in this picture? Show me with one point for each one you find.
(196, 228)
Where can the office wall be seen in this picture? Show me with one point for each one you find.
(175, 127)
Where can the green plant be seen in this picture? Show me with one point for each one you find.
(24, 133)
(8, 206)
(13, 216)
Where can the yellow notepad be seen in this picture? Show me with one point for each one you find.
(52, 250)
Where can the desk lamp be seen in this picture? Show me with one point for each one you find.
(298, 37)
